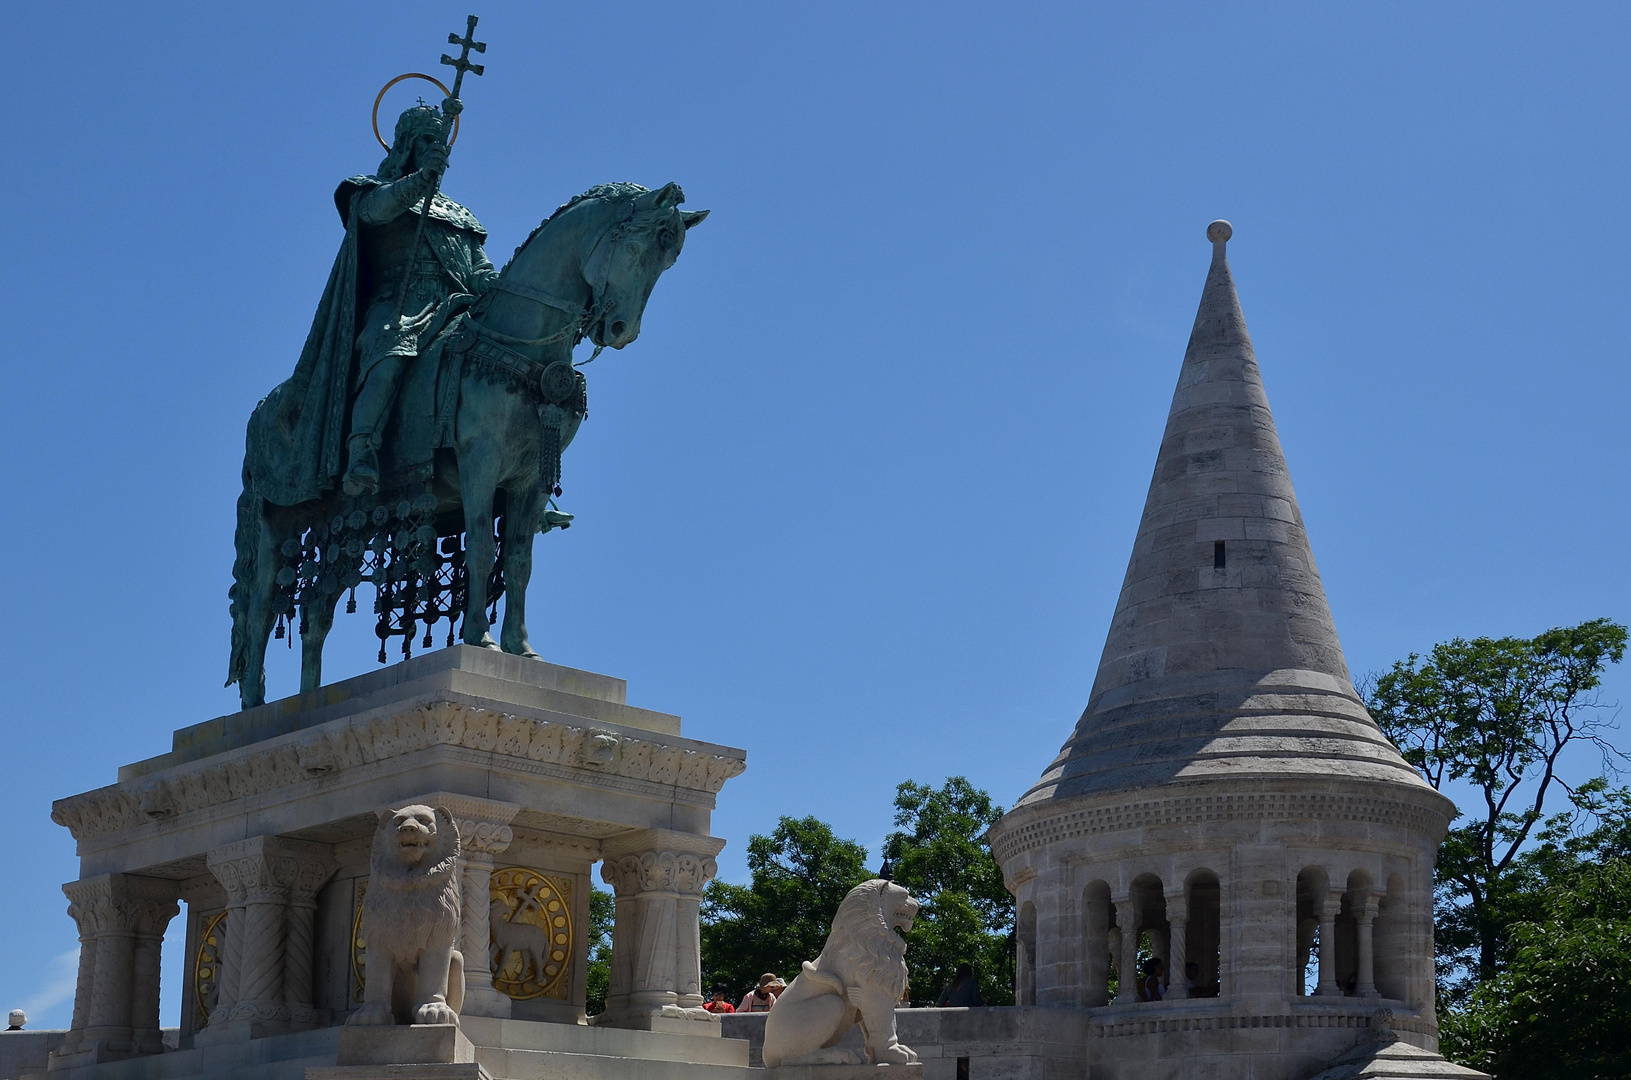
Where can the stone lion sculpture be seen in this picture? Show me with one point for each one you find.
(413, 972)
(859, 977)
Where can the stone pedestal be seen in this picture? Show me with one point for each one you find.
(404, 1044)
(913, 1071)
(250, 814)
(458, 1071)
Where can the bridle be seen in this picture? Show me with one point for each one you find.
(613, 232)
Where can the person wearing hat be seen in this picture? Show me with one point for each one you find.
(761, 997)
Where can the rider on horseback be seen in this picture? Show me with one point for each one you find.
(383, 210)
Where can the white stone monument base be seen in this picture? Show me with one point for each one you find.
(404, 1044)
(437, 1071)
(913, 1071)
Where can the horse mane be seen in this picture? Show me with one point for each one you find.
(616, 191)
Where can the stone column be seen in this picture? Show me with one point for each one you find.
(266, 973)
(1127, 962)
(121, 919)
(656, 977)
(153, 915)
(1177, 947)
(1367, 948)
(484, 831)
(1328, 947)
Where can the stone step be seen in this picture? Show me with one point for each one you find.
(554, 1065)
(582, 1039)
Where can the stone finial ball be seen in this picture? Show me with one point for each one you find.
(1219, 231)
(18, 1018)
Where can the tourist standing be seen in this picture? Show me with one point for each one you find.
(760, 998)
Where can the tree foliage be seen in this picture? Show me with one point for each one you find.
(939, 852)
(1560, 1009)
(1495, 714)
(602, 913)
(799, 874)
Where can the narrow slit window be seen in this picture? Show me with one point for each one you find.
(1219, 560)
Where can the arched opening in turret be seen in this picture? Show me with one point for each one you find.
(1098, 916)
(1197, 972)
(1154, 937)
(1392, 942)
(1025, 955)
(1313, 890)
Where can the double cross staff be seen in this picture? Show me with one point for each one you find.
(460, 66)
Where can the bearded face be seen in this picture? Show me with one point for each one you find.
(416, 129)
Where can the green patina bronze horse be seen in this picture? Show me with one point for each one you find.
(492, 401)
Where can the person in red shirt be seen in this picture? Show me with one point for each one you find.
(719, 1004)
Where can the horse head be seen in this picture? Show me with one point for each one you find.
(627, 258)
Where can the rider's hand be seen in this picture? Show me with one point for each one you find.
(433, 160)
(452, 107)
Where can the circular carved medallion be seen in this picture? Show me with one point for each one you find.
(531, 925)
(207, 968)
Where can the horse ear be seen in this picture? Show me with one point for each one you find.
(693, 217)
(669, 196)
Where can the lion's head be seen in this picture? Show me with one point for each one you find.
(863, 944)
(415, 843)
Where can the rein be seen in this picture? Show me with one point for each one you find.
(586, 317)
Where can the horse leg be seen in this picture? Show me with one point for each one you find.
(318, 618)
(479, 462)
(520, 527)
(260, 617)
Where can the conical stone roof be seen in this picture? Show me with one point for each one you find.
(1222, 659)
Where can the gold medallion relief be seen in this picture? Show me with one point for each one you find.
(531, 923)
(207, 967)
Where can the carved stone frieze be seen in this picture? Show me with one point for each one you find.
(320, 754)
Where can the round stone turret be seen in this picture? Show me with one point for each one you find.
(1225, 804)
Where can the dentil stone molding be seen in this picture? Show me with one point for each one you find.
(316, 754)
(1051, 828)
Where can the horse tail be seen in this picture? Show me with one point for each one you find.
(246, 539)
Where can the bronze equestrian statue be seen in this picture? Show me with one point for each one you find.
(431, 402)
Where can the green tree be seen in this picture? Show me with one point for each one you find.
(799, 874)
(602, 913)
(1560, 1009)
(1496, 714)
(940, 853)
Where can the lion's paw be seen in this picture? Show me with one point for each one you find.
(374, 1013)
(897, 1054)
(434, 1012)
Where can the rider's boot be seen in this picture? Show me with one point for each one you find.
(362, 466)
(368, 413)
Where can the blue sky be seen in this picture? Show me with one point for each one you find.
(860, 499)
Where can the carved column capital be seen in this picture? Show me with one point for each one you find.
(660, 861)
(271, 870)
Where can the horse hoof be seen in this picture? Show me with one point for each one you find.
(484, 642)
